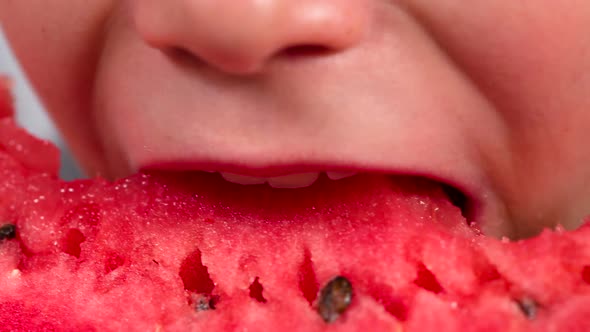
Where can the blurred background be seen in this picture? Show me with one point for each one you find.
(29, 110)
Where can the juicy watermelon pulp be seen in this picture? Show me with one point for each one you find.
(190, 252)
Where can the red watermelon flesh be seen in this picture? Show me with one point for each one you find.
(190, 252)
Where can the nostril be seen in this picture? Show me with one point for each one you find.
(307, 50)
(181, 55)
(185, 58)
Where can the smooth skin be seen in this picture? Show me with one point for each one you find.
(490, 96)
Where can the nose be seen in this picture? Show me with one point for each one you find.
(242, 36)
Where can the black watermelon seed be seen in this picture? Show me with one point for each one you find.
(7, 231)
(203, 302)
(529, 307)
(334, 299)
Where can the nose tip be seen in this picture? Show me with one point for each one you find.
(241, 37)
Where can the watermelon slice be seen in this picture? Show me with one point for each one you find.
(191, 252)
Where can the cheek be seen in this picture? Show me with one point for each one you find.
(59, 58)
(532, 62)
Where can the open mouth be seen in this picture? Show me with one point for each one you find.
(301, 184)
(304, 180)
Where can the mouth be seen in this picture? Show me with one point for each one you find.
(302, 179)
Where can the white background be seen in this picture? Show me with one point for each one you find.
(29, 111)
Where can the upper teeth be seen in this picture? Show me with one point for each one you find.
(242, 179)
(339, 175)
(293, 180)
(300, 180)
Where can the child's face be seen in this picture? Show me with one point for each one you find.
(490, 96)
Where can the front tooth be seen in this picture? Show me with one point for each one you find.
(242, 179)
(339, 175)
(293, 180)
